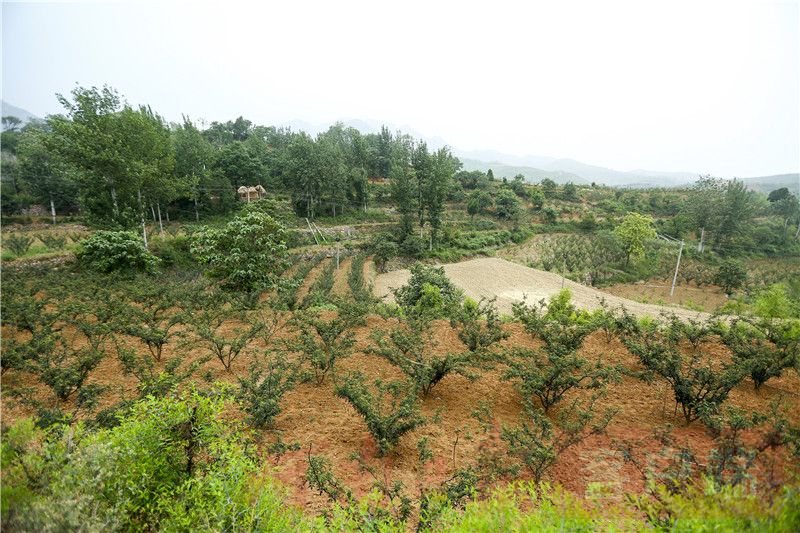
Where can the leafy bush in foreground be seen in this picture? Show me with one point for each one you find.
(171, 465)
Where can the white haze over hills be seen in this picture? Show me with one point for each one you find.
(534, 168)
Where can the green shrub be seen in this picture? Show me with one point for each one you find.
(323, 341)
(171, 465)
(763, 347)
(410, 294)
(247, 254)
(207, 318)
(173, 251)
(321, 288)
(700, 383)
(115, 251)
(355, 279)
(410, 346)
(538, 442)
(390, 413)
(19, 244)
(53, 242)
(479, 326)
(261, 391)
(730, 275)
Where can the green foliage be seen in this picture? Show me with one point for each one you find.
(764, 347)
(634, 232)
(320, 477)
(411, 347)
(53, 242)
(247, 254)
(323, 337)
(595, 260)
(384, 249)
(547, 374)
(320, 290)
(287, 291)
(170, 465)
(149, 314)
(260, 392)
(537, 442)
(479, 202)
(19, 244)
(355, 279)
(570, 192)
(730, 275)
(774, 303)
(389, 413)
(507, 205)
(479, 326)
(537, 198)
(699, 382)
(221, 330)
(410, 294)
(116, 251)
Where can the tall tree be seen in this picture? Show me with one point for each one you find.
(443, 166)
(193, 159)
(44, 175)
(119, 154)
(235, 162)
(303, 175)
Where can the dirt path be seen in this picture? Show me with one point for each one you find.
(302, 292)
(509, 282)
(340, 284)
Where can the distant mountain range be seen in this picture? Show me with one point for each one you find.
(534, 168)
(9, 110)
(767, 184)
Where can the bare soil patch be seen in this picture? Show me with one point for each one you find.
(508, 282)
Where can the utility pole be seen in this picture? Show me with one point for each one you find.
(673, 240)
(677, 266)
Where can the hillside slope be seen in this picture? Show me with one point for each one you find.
(491, 277)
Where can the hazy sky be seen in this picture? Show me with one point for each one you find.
(710, 87)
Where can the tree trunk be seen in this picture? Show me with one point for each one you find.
(196, 213)
(114, 200)
(141, 211)
(166, 213)
(702, 236)
(160, 225)
(153, 211)
(53, 210)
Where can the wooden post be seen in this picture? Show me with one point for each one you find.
(313, 234)
(677, 265)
